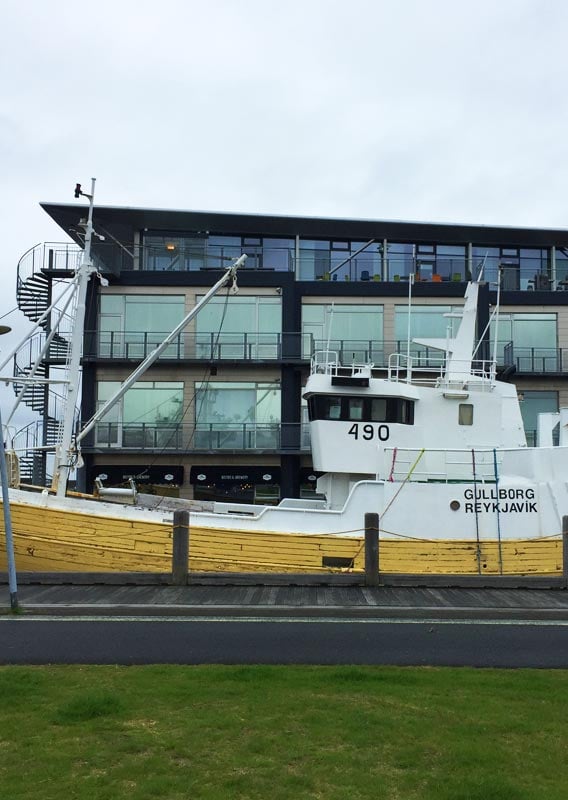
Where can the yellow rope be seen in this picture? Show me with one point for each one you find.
(411, 470)
(402, 485)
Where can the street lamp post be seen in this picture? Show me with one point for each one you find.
(12, 583)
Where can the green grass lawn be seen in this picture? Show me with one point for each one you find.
(282, 732)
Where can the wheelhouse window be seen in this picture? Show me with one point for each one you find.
(361, 409)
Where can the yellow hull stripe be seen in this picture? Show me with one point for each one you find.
(47, 540)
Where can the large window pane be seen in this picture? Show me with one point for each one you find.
(240, 327)
(237, 415)
(425, 322)
(529, 341)
(130, 326)
(532, 404)
(355, 332)
(147, 416)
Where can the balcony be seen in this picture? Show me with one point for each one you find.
(166, 437)
(278, 347)
(535, 360)
(135, 346)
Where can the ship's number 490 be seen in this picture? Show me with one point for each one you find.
(369, 432)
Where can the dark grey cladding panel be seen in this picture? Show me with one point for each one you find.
(123, 222)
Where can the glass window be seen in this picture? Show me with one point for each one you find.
(465, 414)
(278, 254)
(238, 416)
(378, 409)
(425, 322)
(331, 407)
(354, 331)
(532, 404)
(130, 326)
(237, 402)
(451, 262)
(364, 409)
(147, 416)
(489, 258)
(355, 408)
(562, 267)
(401, 260)
(529, 341)
(314, 259)
(173, 253)
(240, 327)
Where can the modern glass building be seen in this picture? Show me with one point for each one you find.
(220, 414)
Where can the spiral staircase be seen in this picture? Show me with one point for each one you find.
(38, 270)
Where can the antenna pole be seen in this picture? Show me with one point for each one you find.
(496, 333)
(65, 453)
(410, 282)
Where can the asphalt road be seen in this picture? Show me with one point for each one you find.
(47, 640)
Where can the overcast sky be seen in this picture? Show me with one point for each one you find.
(385, 109)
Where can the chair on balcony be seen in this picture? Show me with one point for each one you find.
(541, 282)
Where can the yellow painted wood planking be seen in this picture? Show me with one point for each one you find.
(47, 540)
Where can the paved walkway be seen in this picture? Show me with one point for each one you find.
(291, 601)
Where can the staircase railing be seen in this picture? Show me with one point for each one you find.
(53, 256)
(36, 270)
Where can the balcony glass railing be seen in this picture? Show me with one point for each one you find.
(535, 360)
(313, 263)
(166, 436)
(199, 346)
(280, 347)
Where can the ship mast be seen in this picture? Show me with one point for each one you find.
(65, 454)
(68, 453)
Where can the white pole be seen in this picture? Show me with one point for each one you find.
(12, 583)
(84, 272)
(496, 333)
(410, 282)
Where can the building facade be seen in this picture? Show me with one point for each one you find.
(220, 414)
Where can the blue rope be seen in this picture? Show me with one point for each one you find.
(476, 514)
(498, 512)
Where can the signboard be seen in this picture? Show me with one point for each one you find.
(229, 476)
(113, 474)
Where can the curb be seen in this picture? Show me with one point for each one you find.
(377, 613)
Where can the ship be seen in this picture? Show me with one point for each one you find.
(434, 445)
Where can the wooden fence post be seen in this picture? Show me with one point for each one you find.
(371, 549)
(565, 551)
(180, 548)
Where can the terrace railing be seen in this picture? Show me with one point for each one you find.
(189, 437)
